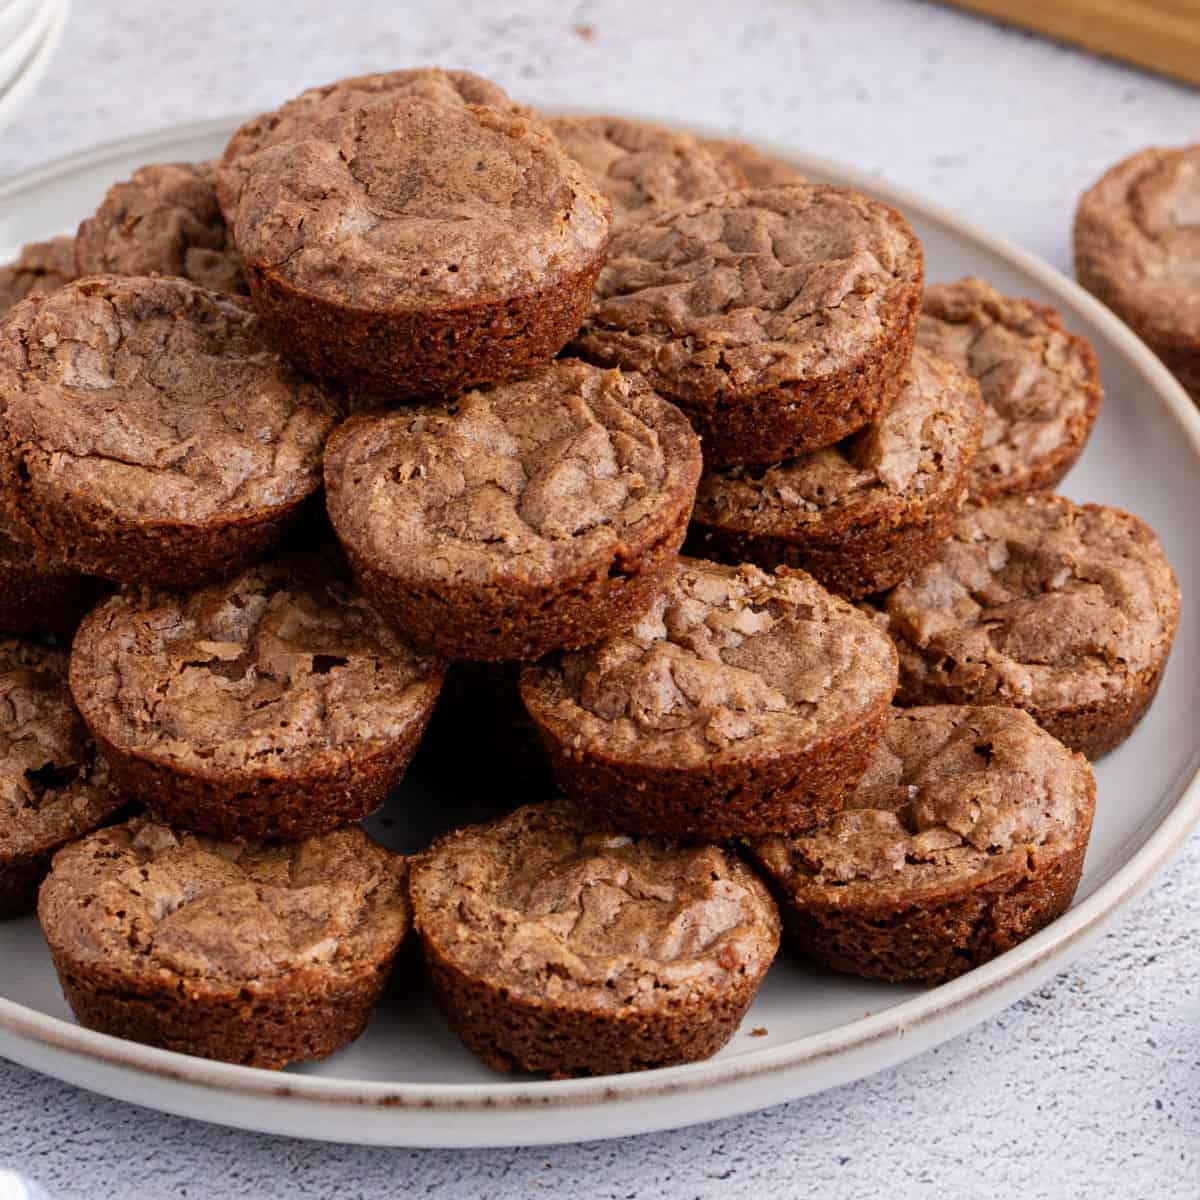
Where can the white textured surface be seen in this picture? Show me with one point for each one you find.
(1091, 1086)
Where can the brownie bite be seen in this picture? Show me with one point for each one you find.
(277, 704)
(1065, 610)
(862, 514)
(417, 249)
(741, 704)
(247, 952)
(164, 220)
(149, 433)
(52, 788)
(1041, 384)
(521, 519)
(556, 945)
(780, 319)
(40, 600)
(644, 169)
(965, 836)
(1137, 248)
(41, 267)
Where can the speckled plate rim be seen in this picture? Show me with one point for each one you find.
(499, 1114)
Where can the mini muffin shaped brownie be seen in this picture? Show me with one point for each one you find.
(149, 434)
(41, 267)
(163, 221)
(1065, 610)
(242, 951)
(536, 515)
(296, 118)
(416, 249)
(780, 319)
(39, 600)
(1137, 248)
(644, 169)
(760, 170)
(52, 789)
(276, 705)
(559, 946)
(742, 704)
(965, 836)
(864, 513)
(1041, 385)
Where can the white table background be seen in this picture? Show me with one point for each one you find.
(1090, 1087)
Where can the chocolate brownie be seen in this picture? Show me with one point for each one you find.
(1041, 385)
(294, 120)
(52, 789)
(864, 513)
(741, 704)
(277, 704)
(1065, 610)
(760, 170)
(149, 433)
(557, 945)
(1137, 248)
(536, 515)
(644, 169)
(965, 836)
(780, 319)
(165, 220)
(41, 267)
(243, 951)
(416, 249)
(35, 600)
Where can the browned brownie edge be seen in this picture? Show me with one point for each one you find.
(939, 940)
(782, 794)
(424, 354)
(301, 1016)
(170, 554)
(515, 1033)
(1092, 729)
(488, 624)
(853, 562)
(339, 787)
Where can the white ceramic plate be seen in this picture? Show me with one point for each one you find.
(407, 1081)
(15, 17)
(23, 61)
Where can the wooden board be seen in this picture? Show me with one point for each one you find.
(1163, 35)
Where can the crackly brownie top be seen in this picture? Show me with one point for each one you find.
(157, 400)
(411, 204)
(917, 449)
(282, 665)
(1137, 235)
(730, 663)
(41, 266)
(544, 903)
(516, 484)
(158, 903)
(453, 89)
(163, 221)
(644, 169)
(51, 787)
(754, 289)
(1041, 385)
(1038, 600)
(952, 795)
(760, 170)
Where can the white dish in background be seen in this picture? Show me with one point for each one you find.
(408, 1081)
(37, 47)
(15, 17)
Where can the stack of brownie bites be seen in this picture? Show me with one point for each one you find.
(413, 381)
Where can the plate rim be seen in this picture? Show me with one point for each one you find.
(976, 988)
